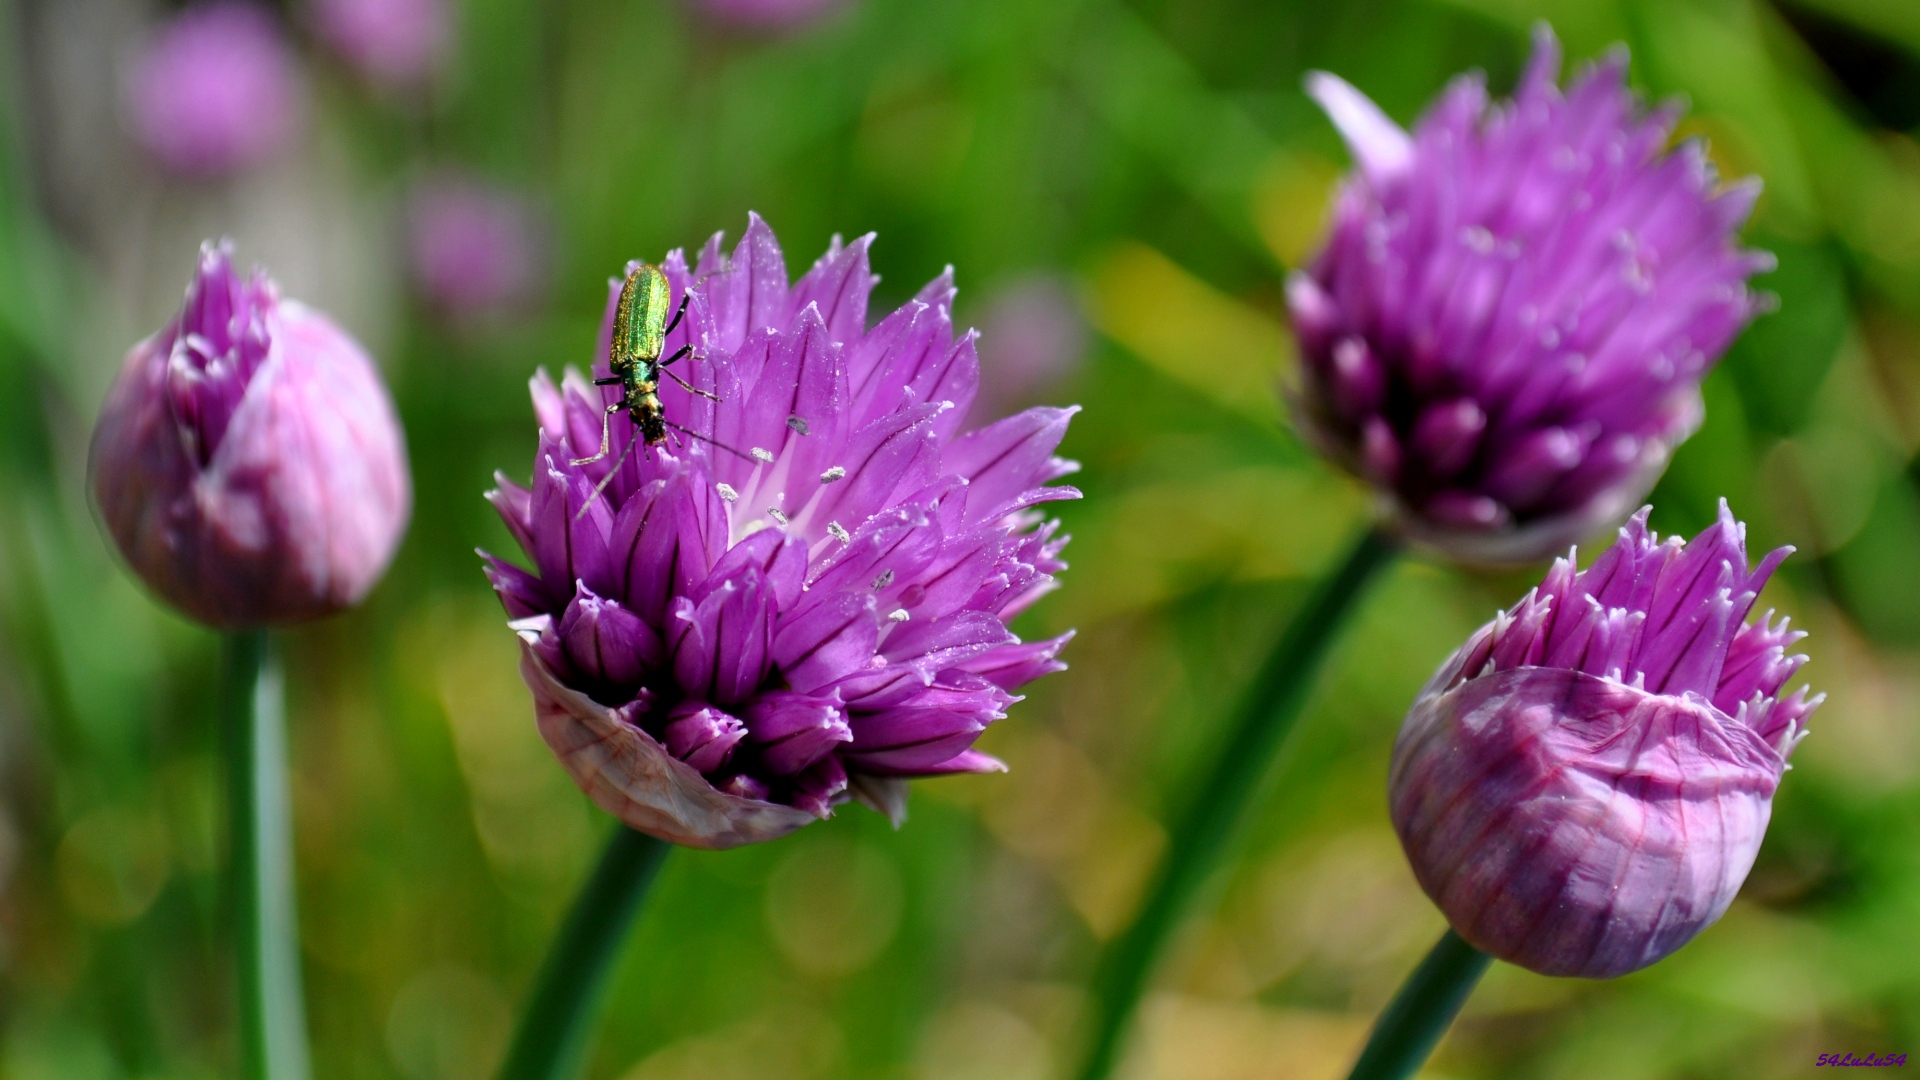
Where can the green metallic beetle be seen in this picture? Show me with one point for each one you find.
(640, 329)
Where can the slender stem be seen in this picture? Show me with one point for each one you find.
(552, 1036)
(1422, 1011)
(273, 1030)
(1206, 830)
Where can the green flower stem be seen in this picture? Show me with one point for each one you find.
(273, 1026)
(1206, 830)
(552, 1037)
(1422, 1011)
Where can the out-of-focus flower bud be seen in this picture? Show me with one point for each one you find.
(476, 249)
(1583, 787)
(1031, 336)
(215, 92)
(247, 462)
(392, 43)
(1506, 331)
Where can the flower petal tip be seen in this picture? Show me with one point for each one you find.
(1381, 147)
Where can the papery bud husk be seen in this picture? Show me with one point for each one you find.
(630, 775)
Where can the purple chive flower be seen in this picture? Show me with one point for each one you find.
(1583, 786)
(395, 43)
(1507, 328)
(806, 599)
(247, 462)
(215, 92)
(475, 248)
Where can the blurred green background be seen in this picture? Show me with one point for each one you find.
(1155, 164)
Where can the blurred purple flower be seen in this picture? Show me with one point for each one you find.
(247, 462)
(475, 247)
(728, 643)
(1032, 335)
(395, 43)
(215, 91)
(1582, 788)
(767, 14)
(1508, 326)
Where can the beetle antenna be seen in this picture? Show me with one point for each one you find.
(690, 433)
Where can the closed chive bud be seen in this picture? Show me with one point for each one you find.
(1506, 330)
(248, 463)
(1583, 787)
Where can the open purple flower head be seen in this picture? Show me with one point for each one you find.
(803, 597)
(215, 92)
(1583, 787)
(1506, 330)
(248, 462)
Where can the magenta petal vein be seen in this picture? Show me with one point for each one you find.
(1507, 327)
(1584, 785)
(817, 617)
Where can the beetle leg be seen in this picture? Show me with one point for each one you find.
(684, 350)
(677, 312)
(611, 380)
(606, 434)
(605, 480)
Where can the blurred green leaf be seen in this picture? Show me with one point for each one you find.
(1779, 362)
(1890, 19)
